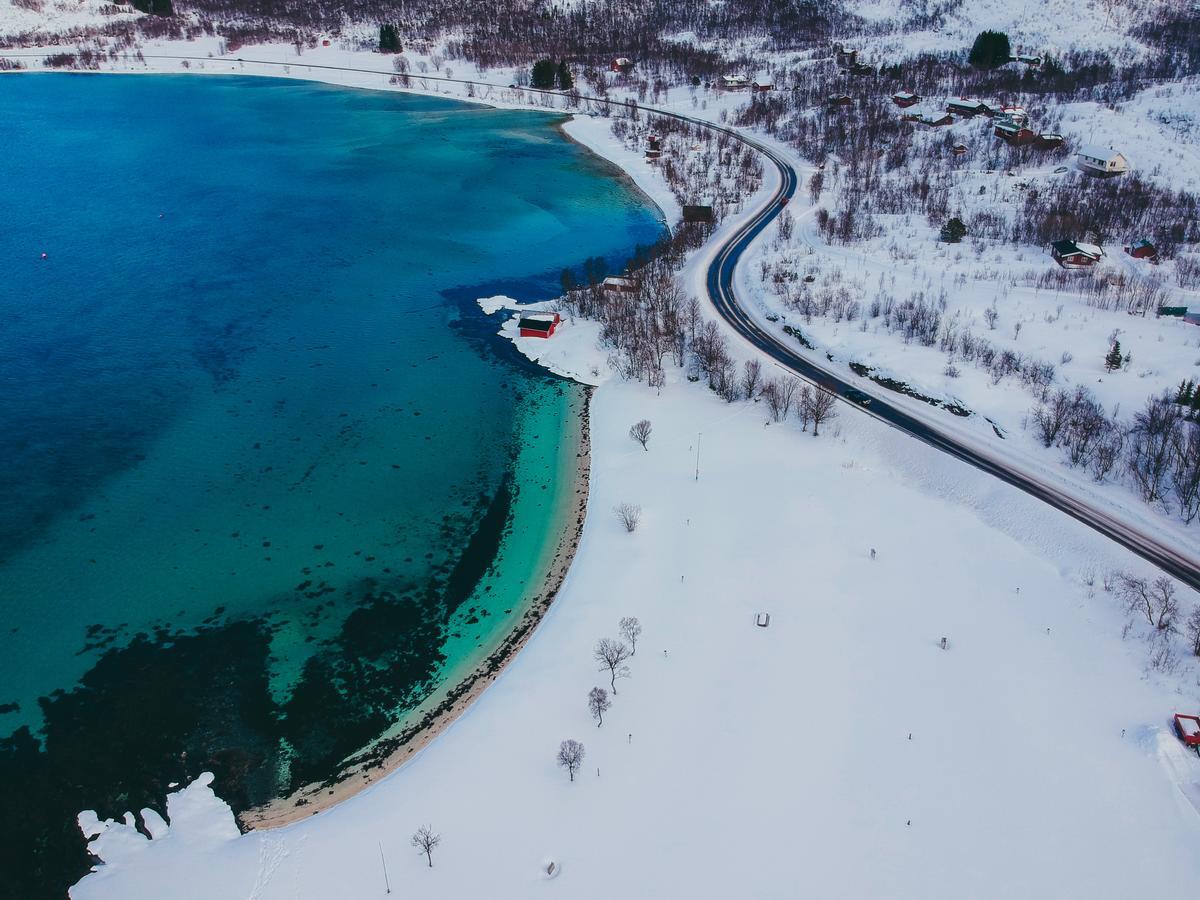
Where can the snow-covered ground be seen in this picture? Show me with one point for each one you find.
(770, 762)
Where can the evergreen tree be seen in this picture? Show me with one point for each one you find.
(543, 74)
(389, 39)
(954, 231)
(565, 81)
(1196, 404)
(154, 7)
(1113, 360)
(1184, 395)
(990, 49)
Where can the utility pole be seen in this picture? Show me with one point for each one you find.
(386, 883)
(698, 434)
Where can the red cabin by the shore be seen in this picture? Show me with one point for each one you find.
(1188, 729)
(540, 325)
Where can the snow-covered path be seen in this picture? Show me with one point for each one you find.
(772, 762)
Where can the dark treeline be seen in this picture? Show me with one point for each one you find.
(514, 32)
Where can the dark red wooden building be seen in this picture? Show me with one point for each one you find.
(1142, 249)
(541, 325)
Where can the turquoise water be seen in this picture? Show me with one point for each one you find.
(267, 474)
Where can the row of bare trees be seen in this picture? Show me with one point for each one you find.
(612, 655)
(1159, 450)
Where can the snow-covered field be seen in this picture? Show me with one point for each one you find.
(776, 762)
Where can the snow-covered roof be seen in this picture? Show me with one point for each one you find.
(1069, 248)
(1095, 151)
(904, 95)
(763, 78)
(1189, 724)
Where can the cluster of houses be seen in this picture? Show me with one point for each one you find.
(1011, 124)
(1082, 255)
(760, 83)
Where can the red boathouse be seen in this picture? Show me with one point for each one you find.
(1188, 728)
(541, 325)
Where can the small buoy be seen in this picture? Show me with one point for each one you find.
(45, 256)
(160, 215)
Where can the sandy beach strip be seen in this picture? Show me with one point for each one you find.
(388, 754)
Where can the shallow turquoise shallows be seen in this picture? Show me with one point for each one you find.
(268, 477)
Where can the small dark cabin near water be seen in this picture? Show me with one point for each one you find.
(698, 212)
(540, 325)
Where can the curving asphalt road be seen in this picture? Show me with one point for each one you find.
(1173, 560)
(1177, 562)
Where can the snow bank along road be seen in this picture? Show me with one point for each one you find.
(720, 279)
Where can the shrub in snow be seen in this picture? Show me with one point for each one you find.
(630, 515)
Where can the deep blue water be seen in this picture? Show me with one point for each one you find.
(248, 429)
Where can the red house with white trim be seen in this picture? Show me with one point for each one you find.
(539, 325)
(1075, 254)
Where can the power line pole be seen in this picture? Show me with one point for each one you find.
(386, 883)
(698, 434)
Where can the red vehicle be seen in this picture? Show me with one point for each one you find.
(1188, 729)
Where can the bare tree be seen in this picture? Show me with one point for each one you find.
(1052, 417)
(991, 314)
(751, 376)
(773, 394)
(630, 515)
(1155, 600)
(640, 432)
(570, 756)
(1193, 631)
(598, 703)
(612, 655)
(804, 406)
(425, 840)
(631, 630)
(821, 406)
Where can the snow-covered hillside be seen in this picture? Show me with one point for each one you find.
(48, 18)
(1051, 26)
